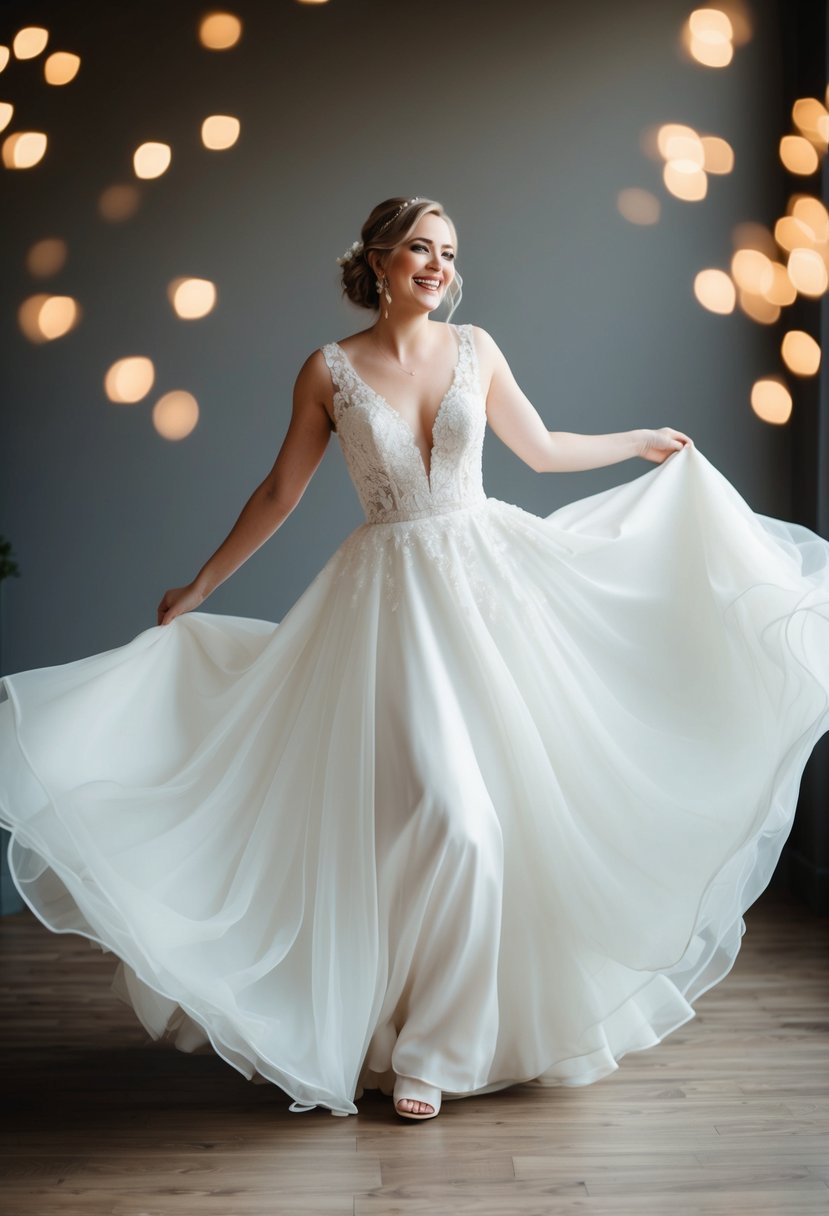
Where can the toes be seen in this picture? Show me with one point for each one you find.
(414, 1107)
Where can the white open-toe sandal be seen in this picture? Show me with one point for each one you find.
(418, 1091)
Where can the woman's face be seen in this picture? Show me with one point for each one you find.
(422, 267)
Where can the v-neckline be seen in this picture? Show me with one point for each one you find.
(427, 473)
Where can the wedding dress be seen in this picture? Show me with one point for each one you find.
(485, 807)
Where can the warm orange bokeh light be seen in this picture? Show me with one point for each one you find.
(813, 216)
(707, 37)
(192, 298)
(6, 112)
(220, 131)
(61, 67)
(809, 116)
(129, 379)
(771, 401)
(29, 42)
(685, 181)
(220, 31)
(46, 257)
(119, 202)
(807, 270)
(711, 54)
(791, 233)
(782, 289)
(798, 155)
(151, 160)
(44, 317)
(24, 149)
(175, 414)
(718, 153)
(638, 206)
(758, 307)
(5, 55)
(715, 291)
(711, 25)
(752, 271)
(801, 353)
(672, 136)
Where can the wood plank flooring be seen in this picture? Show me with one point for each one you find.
(730, 1114)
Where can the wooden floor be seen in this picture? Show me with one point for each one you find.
(730, 1114)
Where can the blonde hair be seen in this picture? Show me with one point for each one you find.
(388, 225)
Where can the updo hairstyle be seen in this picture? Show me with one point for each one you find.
(388, 226)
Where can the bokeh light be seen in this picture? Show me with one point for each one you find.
(46, 257)
(6, 112)
(752, 271)
(758, 307)
(220, 131)
(771, 401)
(810, 117)
(782, 290)
(43, 317)
(220, 31)
(175, 414)
(30, 41)
(798, 155)
(807, 271)
(812, 216)
(61, 67)
(718, 153)
(119, 202)
(638, 206)
(5, 55)
(129, 379)
(192, 298)
(791, 233)
(24, 149)
(151, 160)
(707, 37)
(715, 291)
(801, 353)
(685, 181)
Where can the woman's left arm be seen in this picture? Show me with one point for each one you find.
(516, 422)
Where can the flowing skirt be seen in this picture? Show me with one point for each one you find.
(485, 807)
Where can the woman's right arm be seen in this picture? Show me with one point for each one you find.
(274, 499)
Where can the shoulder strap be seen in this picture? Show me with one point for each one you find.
(337, 365)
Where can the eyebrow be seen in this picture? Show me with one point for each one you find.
(428, 241)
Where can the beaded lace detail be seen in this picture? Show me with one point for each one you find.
(381, 451)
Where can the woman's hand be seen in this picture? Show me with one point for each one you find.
(659, 445)
(178, 600)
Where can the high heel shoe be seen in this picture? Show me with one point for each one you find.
(418, 1091)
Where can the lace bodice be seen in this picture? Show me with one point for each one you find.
(381, 451)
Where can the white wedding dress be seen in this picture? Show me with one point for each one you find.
(485, 807)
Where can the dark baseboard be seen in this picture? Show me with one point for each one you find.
(10, 900)
(804, 879)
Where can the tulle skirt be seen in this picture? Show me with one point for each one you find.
(485, 807)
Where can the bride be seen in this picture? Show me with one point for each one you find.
(488, 803)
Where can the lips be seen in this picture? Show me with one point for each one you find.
(428, 284)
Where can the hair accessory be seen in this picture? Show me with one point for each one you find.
(353, 249)
(395, 214)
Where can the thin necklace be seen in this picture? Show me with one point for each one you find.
(390, 357)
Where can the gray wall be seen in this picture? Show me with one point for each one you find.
(524, 118)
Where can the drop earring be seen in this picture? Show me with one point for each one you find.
(384, 289)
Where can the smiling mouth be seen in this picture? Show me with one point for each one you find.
(428, 284)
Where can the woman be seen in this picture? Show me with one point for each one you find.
(487, 805)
